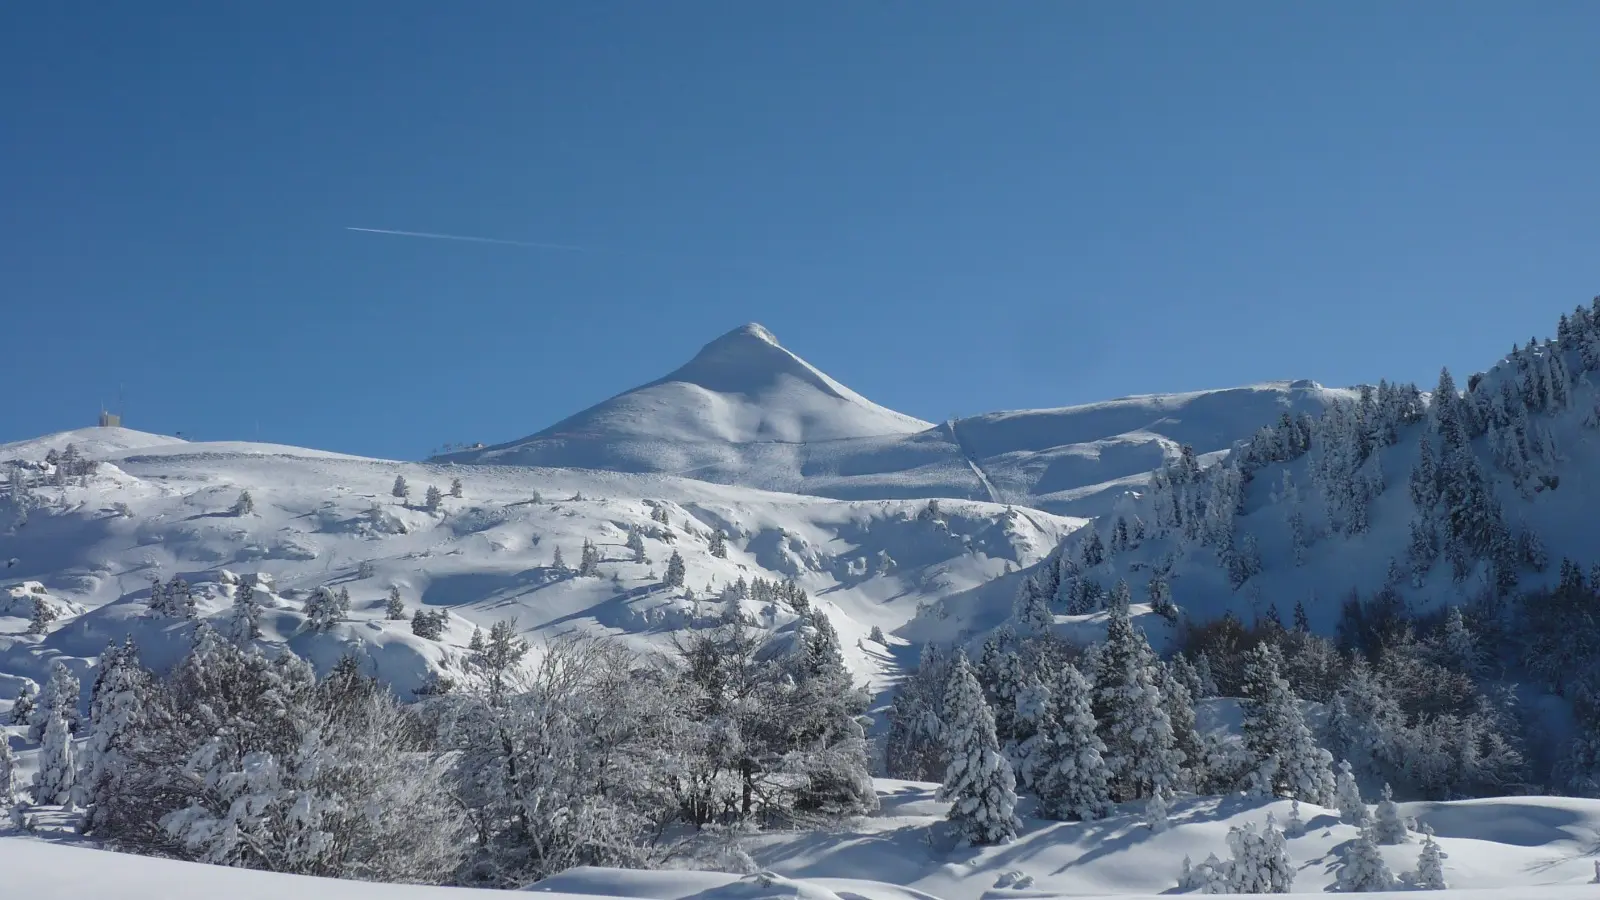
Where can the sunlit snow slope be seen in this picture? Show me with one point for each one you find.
(747, 411)
(163, 508)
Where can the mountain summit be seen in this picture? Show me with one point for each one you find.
(747, 411)
(744, 388)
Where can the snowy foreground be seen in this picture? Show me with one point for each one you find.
(1526, 847)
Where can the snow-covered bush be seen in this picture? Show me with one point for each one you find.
(1364, 870)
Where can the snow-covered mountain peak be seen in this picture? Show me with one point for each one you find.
(92, 443)
(742, 388)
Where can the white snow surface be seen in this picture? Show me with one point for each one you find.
(1527, 848)
(485, 557)
(747, 411)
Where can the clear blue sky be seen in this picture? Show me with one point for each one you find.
(951, 207)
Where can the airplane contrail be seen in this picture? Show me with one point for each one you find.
(537, 245)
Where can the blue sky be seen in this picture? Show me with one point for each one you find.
(951, 207)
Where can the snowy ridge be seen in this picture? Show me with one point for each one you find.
(747, 411)
(329, 519)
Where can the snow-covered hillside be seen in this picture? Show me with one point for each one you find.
(1511, 849)
(158, 508)
(747, 411)
(1315, 510)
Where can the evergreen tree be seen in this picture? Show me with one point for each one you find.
(1387, 826)
(41, 617)
(394, 609)
(589, 560)
(1032, 609)
(979, 782)
(1364, 870)
(455, 488)
(1178, 703)
(476, 643)
(245, 505)
(557, 563)
(658, 513)
(116, 716)
(1260, 863)
(401, 489)
(433, 499)
(326, 608)
(1029, 719)
(636, 545)
(1296, 826)
(1430, 866)
(58, 771)
(22, 708)
(8, 774)
(244, 617)
(719, 544)
(676, 570)
(1155, 812)
(1286, 761)
(1141, 750)
(59, 698)
(1204, 677)
(425, 624)
(1302, 622)
(1347, 796)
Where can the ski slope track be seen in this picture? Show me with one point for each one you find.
(748, 411)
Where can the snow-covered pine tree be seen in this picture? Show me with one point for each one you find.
(115, 717)
(636, 545)
(1364, 870)
(1203, 674)
(913, 748)
(1178, 702)
(1260, 863)
(589, 560)
(41, 617)
(245, 505)
(244, 616)
(979, 782)
(58, 772)
(433, 499)
(22, 708)
(1027, 741)
(60, 697)
(1070, 775)
(455, 488)
(1347, 796)
(1295, 826)
(401, 489)
(1032, 609)
(1387, 826)
(8, 774)
(676, 570)
(719, 544)
(658, 513)
(1430, 866)
(558, 563)
(1155, 812)
(1287, 760)
(326, 608)
(394, 608)
(1141, 750)
(425, 624)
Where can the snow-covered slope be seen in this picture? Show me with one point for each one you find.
(1533, 848)
(747, 411)
(1324, 509)
(326, 519)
